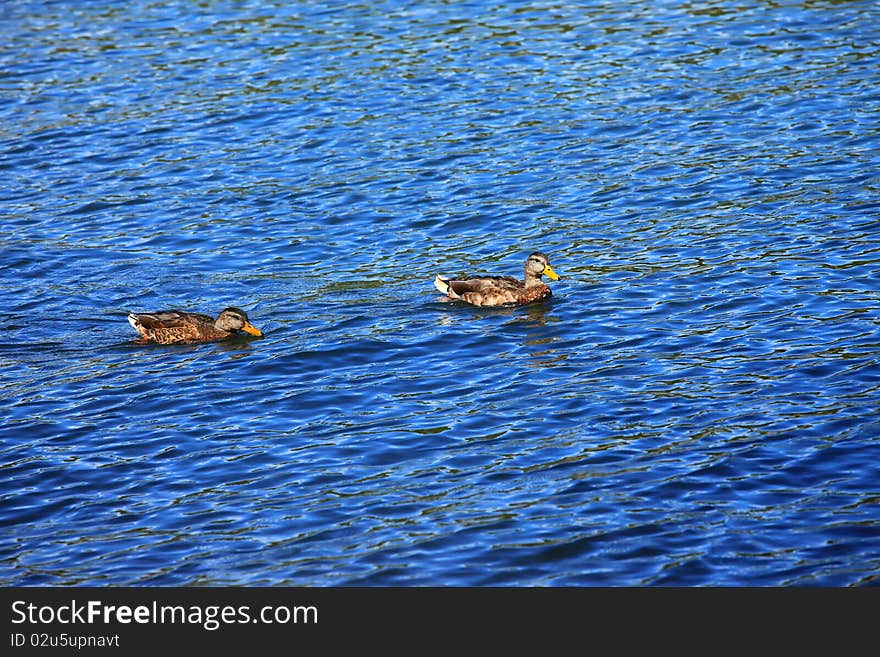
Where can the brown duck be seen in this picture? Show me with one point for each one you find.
(179, 327)
(502, 290)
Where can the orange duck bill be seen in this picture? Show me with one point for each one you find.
(252, 330)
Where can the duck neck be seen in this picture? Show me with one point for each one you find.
(531, 279)
(220, 330)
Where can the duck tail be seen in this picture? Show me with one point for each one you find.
(442, 284)
(133, 320)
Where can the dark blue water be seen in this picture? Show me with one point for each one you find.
(697, 405)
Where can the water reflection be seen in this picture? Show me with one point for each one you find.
(537, 314)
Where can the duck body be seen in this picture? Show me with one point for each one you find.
(502, 290)
(181, 327)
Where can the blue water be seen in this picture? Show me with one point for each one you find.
(697, 404)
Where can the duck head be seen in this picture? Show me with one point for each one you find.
(235, 319)
(538, 265)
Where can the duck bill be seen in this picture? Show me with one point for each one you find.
(252, 330)
(549, 273)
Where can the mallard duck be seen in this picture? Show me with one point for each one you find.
(179, 327)
(502, 290)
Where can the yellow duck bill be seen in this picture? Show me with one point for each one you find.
(252, 330)
(549, 273)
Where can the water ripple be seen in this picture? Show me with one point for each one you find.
(695, 406)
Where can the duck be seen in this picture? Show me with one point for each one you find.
(502, 290)
(180, 327)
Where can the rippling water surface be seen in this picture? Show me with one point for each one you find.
(697, 405)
